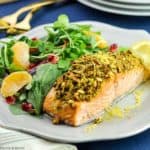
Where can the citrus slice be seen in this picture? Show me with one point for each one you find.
(99, 39)
(14, 82)
(142, 51)
(21, 55)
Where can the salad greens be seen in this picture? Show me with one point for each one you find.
(66, 41)
(5, 58)
(15, 109)
(43, 80)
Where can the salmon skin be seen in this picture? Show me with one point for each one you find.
(74, 101)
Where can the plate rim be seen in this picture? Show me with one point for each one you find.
(123, 6)
(74, 140)
(132, 2)
(112, 10)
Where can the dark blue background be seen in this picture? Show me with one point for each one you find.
(77, 12)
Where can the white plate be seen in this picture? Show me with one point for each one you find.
(115, 10)
(123, 5)
(114, 129)
(133, 1)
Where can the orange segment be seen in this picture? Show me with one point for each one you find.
(14, 82)
(21, 55)
(101, 42)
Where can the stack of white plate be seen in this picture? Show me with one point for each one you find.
(124, 7)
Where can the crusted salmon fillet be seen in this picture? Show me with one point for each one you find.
(112, 74)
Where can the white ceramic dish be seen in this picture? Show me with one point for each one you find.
(123, 5)
(114, 129)
(115, 10)
(133, 1)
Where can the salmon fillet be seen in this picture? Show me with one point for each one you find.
(82, 111)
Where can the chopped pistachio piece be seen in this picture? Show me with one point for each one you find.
(86, 75)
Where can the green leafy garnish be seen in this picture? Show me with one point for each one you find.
(43, 80)
(122, 49)
(16, 109)
(62, 22)
(64, 64)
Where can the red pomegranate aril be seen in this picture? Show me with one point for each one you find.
(34, 39)
(10, 100)
(26, 106)
(33, 49)
(32, 68)
(113, 47)
(32, 65)
(53, 59)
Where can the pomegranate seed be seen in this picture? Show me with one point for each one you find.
(53, 59)
(26, 106)
(32, 65)
(10, 100)
(33, 49)
(34, 38)
(113, 47)
(32, 68)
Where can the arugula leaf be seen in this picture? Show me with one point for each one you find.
(62, 22)
(22, 97)
(5, 59)
(64, 64)
(1, 80)
(6, 56)
(12, 68)
(2, 68)
(2, 72)
(122, 49)
(43, 80)
(16, 109)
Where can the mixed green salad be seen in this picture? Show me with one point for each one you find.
(29, 67)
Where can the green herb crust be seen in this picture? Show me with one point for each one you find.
(87, 74)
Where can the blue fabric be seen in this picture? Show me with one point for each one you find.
(77, 12)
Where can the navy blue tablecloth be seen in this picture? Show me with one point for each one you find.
(76, 12)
